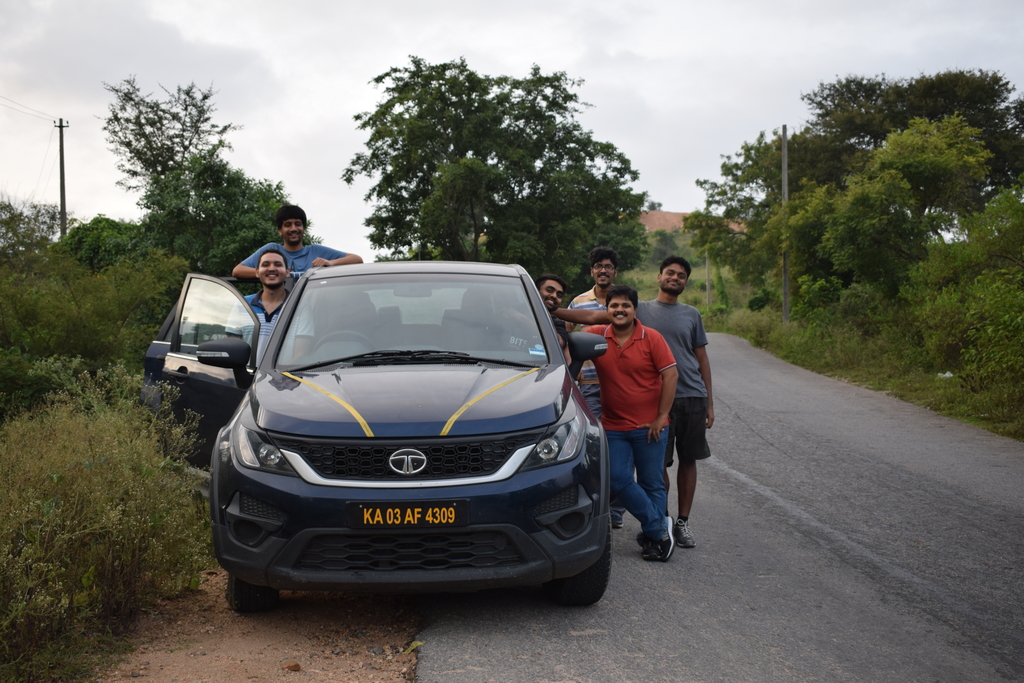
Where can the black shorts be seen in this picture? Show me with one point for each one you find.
(687, 427)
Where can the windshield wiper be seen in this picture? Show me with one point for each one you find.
(391, 357)
(432, 356)
(350, 359)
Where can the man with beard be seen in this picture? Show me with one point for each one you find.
(693, 409)
(604, 264)
(552, 289)
(271, 270)
(291, 226)
(638, 383)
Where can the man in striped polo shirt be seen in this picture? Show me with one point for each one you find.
(604, 266)
(271, 271)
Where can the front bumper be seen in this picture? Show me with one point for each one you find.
(544, 524)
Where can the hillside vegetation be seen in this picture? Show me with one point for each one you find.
(904, 232)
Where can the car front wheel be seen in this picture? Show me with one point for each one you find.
(588, 586)
(245, 597)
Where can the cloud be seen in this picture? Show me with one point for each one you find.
(674, 85)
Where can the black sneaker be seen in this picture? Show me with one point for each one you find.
(616, 519)
(651, 551)
(683, 535)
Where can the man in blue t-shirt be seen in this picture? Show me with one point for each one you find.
(291, 225)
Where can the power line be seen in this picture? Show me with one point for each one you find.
(47, 185)
(30, 109)
(42, 166)
(44, 118)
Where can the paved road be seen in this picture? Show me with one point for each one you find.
(842, 535)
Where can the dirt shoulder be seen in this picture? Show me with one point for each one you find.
(309, 637)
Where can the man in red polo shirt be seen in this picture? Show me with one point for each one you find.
(638, 384)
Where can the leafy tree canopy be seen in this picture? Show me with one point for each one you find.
(155, 137)
(857, 114)
(64, 308)
(197, 205)
(477, 167)
(103, 242)
(211, 214)
(883, 167)
(26, 229)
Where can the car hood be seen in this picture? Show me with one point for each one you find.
(409, 400)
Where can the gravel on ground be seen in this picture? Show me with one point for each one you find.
(308, 637)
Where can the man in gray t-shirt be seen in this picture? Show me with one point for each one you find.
(693, 410)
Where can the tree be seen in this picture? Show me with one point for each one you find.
(153, 138)
(210, 214)
(26, 229)
(103, 242)
(197, 205)
(847, 171)
(732, 228)
(488, 168)
(856, 114)
(914, 190)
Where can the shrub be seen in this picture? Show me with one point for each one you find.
(754, 326)
(993, 364)
(764, 298)
(98, 518)
(61, 307)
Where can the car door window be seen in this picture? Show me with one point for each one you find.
(211, 311)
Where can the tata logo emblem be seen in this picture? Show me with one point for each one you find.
(407, 461)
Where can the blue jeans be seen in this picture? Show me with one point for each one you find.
(644, 496)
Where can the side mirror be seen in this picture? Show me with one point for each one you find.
(229, 352)
(584, 346)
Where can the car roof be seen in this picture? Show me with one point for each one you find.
(412, 267)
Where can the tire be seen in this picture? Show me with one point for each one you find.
(588, 586)
(245, 597)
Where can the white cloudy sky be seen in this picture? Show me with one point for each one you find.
(674, 84)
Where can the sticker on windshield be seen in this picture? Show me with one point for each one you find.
(537, 351)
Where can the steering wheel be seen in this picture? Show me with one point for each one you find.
(346, 334)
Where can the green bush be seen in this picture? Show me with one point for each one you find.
(765, 298)
(993, 364)
(98, 518)
(757, 327)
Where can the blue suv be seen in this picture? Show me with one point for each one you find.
(410, 427)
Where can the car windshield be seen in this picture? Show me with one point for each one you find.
(343, 317)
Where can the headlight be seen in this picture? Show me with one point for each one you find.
(258, 453)
(562, 443)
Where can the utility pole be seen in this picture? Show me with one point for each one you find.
(63, 199)
(785, 209)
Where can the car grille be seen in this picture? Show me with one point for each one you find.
(409, 551)
(447, 458)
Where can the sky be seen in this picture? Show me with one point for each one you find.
(673, 85)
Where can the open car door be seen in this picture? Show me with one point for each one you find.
(208, 309)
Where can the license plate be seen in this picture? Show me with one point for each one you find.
(442, 513)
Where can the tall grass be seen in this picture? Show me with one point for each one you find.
(885, 353)
(98, 517)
